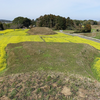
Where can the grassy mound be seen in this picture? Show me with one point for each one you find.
(59, 57)
(41, 31)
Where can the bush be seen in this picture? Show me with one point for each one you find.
(97, 30)
(1, 26)
(87, 28)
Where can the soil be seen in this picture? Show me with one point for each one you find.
(48, 86)
(95, 26)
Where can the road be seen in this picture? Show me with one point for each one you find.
(86, 37)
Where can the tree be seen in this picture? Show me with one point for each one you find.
(6, 26)
(87, 28)
(1, 26)
(21, 21)
(13, 26)
(51, 21)
(26, 22)
(69, 23)
(33, 22)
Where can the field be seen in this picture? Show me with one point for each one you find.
(57, 53)
(93, 33)
(22, 36)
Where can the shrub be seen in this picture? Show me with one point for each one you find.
(87, 28)
(97, 30)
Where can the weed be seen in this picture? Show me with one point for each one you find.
(46, 55)
(18, 47)
(33, 83)
(27, 56)
(54, 80)
(13, 93)
(1, 93)
(15, 98)
(51, 90)
(13, 85)
(74, 88)
(32, 89)
(38, 91)
(8, 85)
(1, 82)
(48, 78)
(62, 97)
(85, 87)
(59, 82)
(40, 68)
(19, 87)
(28, 83)
(28, 93)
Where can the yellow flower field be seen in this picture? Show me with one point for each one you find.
(19, 35)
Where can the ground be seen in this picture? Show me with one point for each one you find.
(48, 86)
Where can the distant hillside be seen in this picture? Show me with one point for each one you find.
(5, 21)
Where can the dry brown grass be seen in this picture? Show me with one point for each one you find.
(41, 31)
(95, 27)
(89, 34)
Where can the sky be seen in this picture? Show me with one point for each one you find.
(32, 9)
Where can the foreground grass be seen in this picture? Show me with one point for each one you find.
(48, 86)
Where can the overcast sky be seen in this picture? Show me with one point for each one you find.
(75, 9)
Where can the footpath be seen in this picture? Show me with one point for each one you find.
(86, 37)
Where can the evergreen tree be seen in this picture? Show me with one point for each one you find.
(1, 26)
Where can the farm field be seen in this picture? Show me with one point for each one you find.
(18, 36)
(52, 53)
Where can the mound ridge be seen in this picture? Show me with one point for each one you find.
(41, 31)
(60, 57)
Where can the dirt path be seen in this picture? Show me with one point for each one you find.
(86, 37)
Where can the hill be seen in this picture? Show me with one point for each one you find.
(41, 31)
(28, 56)
(5, 21)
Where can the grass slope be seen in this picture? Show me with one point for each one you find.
(59, 57)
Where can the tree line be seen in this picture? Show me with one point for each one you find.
(51, 21)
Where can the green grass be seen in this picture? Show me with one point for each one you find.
(69, 31)
(93, 30)
(93, 70)
(97, 35)
(59, 57)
